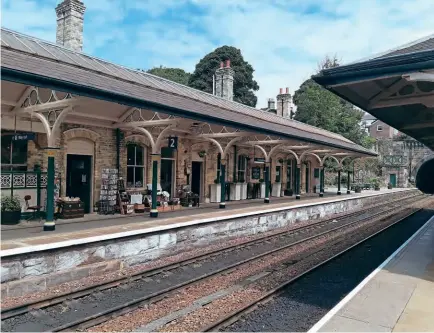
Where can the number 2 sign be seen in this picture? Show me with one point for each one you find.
(173, 142)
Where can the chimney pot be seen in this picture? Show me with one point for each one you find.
(281, 91)
(228, 63)
(287, 90)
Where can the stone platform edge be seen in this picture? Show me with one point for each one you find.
(87, 240)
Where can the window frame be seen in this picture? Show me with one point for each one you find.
(242, 172)
(379, 128)
(11, 166)
(134, 166)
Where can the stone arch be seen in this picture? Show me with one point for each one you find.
(420, 163)
(138, 139)
(81, 133)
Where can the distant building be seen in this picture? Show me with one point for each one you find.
(378, 129)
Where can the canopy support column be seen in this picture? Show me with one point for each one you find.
(321, 182)
(348, 182)
(297, 182)
(155, 160)
(222, 204)
(267, 183)
(339, 182)
(49, 224)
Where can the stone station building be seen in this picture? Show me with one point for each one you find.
(88, 115)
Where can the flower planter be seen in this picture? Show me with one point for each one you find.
(243, 191)
(276, 189)
(235, 193)
(11, 217)
(215, 191)
(262, 190)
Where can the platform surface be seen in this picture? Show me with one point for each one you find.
(96, 227)
(399, 298)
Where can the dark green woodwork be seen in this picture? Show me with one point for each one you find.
(267, 184)
(339, 182)
(154, 210)
(49, 224)
(321, 182)
(222, 185)
(297, 183)
(348, 182)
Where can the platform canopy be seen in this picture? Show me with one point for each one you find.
(49, 84)
(396, 87)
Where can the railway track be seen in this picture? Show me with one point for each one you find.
(225, 322)
(81, 309)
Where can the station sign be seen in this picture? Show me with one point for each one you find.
(173, 142)
(259, 160)
(256, 173)
(23, 137)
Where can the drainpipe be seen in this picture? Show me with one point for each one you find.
(118, 149)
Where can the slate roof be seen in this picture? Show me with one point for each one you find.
(32, 55)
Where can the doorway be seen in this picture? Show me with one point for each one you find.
(166, 175)
(196, 178)
(79, 178)
(392, 179)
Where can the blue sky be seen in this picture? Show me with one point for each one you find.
(283, 39)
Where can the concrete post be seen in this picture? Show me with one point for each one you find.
(155, 159)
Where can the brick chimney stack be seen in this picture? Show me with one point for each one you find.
(69, 32)
(225, 81)
(283, 103)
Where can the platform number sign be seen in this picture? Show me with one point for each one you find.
(173, 142)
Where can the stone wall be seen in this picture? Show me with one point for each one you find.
(27, 273)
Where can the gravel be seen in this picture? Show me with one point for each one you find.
(310, 298)
(195, 320)
(67, 287)
(52, 317)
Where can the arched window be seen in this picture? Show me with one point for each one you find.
(136, 166)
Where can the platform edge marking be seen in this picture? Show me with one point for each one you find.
(329, 315)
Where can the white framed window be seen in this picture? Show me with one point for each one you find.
(242, 164)
(379, 128)
(136, 166)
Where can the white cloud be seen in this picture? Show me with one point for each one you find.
(282, 39)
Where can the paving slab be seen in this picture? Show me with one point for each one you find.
(399, 298)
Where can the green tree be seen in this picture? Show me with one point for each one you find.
(318, 107)
(172, 74)
(244, 84)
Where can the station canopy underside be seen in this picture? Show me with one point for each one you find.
(396, 87)
(46, 85)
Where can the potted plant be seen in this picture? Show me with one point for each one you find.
(389, 186)
(261, 180)
(289, 192)
(10, 209)
(376, 184)
(358, 189)
(202, 153)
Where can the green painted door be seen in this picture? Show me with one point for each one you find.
(392, 179)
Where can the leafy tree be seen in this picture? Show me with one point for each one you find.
(244, 84)
(318, 107)
(172, 74)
